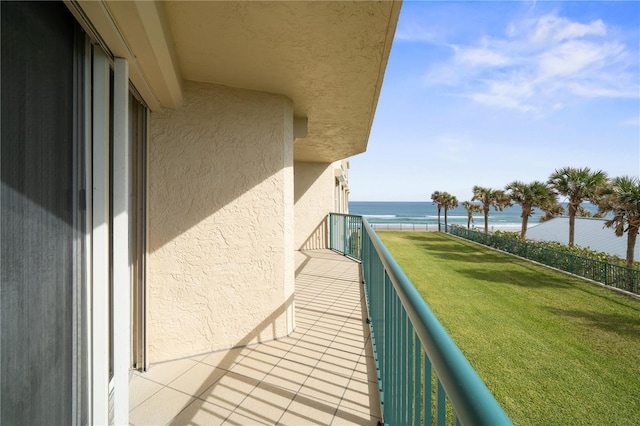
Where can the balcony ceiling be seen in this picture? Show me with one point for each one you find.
(328, 57)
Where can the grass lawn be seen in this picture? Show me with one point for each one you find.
(553, 349)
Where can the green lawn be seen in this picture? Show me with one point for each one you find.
(553, 349)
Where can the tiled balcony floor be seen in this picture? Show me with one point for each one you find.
(323, 374)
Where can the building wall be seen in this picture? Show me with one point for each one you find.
(320, 189)
(341, 195)
(220, 267)
(314, 200)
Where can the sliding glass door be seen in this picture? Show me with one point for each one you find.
(73, 235)
(42, 201)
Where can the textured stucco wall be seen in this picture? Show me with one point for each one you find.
(220, 268)
(314, 200)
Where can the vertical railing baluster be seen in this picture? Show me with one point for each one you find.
(393, 365)
(417, 379)
(386, 382)
(331, 246)
(344, 235)
(410, 373)
(396, 359)
(427, 400)
(380, 307)
(403, 365)
(398, 362)
(441, 405)
(388, 349)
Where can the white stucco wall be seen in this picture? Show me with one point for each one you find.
(220, 267)
(314, 200)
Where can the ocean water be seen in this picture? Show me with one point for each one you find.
(426, 213)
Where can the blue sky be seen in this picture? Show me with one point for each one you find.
(488, 92)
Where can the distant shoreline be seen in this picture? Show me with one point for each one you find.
(423, 215)
(432, 227)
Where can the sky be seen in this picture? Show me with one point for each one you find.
(489, 92)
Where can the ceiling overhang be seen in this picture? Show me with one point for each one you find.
(328, 57)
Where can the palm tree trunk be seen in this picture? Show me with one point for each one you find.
(486, 220)
(469, 222)
(525, 221)
(445, 219)
(438, 218)
(572, 222)
(632, 278)
(632, 234)
(526, 212)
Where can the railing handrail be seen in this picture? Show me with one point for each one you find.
(472, 401)
(345, 214)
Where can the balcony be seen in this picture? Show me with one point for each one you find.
(324, 373)
(365, 340)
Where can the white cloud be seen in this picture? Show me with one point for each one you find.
(571, 30)
(572, 57)
(551, 28)
(540, 65)
(481, 57)
(586, 90)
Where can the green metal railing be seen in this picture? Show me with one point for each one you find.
(606, 273)
(419, 366)
(345, 234)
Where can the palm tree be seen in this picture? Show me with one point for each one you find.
(578, 185)
(449, 202)
(622, 197)
(471, 209)
(551, 211)
(490, 197)
(437, 198)
(535, 194)
(582, 212)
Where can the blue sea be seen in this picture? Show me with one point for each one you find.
(425, 214)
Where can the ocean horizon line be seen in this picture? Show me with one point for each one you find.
(422, 213)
